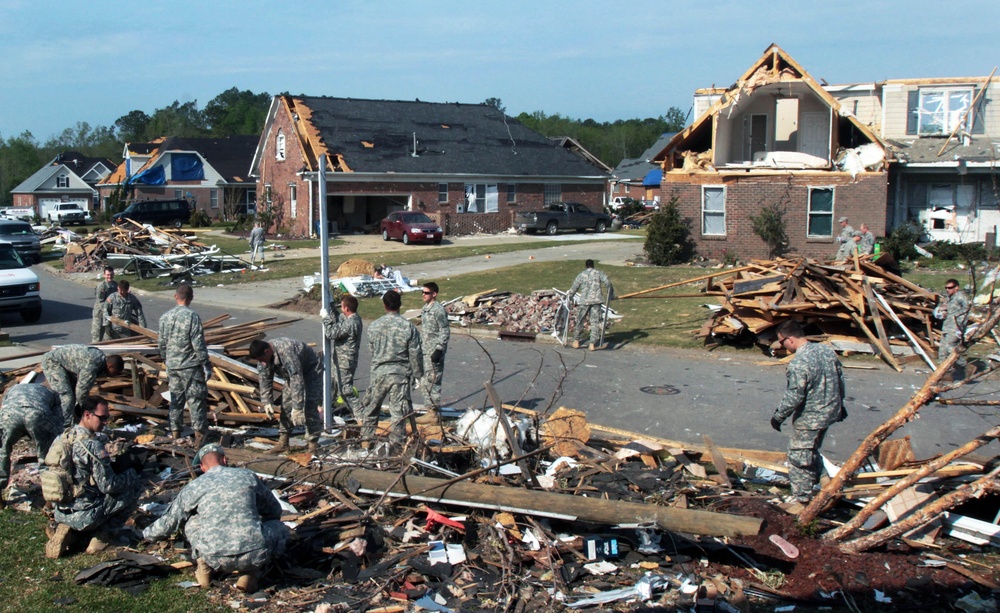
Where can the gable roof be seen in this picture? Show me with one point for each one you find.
(774, 65)
(230, 156)
(636, 169)
(404, 137)
(38, 178)
(82, 164)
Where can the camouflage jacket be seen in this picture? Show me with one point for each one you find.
(434, 328)
(297, 364)
(867, 243)
(346, 333)
(256, 237)
(91, 470)
(128, 309)
(32, 403)
(588, 284)
(182, 339)
(87, 363)
(846, 234)
(958, 313)
(814, 395)
(395, 347)
(105, 289)
(220, 512)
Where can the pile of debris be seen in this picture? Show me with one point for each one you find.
(857, 306)
(145, 250)
(543, 311)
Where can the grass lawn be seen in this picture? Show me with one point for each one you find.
(31, 582)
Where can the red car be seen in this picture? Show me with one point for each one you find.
(411, 227)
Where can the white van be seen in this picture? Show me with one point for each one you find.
(20, 289)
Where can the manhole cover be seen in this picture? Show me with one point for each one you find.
(660, 390)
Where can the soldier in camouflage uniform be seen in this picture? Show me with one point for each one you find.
(104, 289)
(302, 371)
(867, 241)
(955, 314)
(814, 398)
(182, 345)
(589, 284)
(844, 239)
(229, 517)
(30, 410)
(125, 306)
(256, 244)
(346, 334)
(107, 498)
(397, 359)
(434, 334)
(71, 371)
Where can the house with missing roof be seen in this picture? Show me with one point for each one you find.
(69, 178)
(210, 173)
(775, 137)
(468, 166)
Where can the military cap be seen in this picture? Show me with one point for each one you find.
(842, 220)
(207, 449)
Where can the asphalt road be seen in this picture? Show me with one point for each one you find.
(677, 394)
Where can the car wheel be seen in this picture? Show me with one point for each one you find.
(600, 227)
(177, 223)
(31, 316)
(551, 228)
(385, 235)
(406, 238)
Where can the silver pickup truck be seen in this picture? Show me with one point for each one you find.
(562, 216)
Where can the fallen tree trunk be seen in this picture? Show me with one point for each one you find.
(977, 488)
(927, 469)
(515, 500)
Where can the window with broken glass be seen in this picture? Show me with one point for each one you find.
(941, 110)
(820, 212)
(279, 147)
(713, 211)
(481, 198)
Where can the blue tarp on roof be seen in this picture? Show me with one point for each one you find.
(151, 176)
(186, 167)
(653, 178)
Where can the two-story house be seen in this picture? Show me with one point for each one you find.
(70, 177)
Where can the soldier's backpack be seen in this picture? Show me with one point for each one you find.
(58, 486)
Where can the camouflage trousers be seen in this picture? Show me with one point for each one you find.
(63, 383)
(188, 388)
(108, 511)
(43, 430)
(275, 538)
(256, 250)
(804, 466)
(949, 342)
(97, 329)
(350, 394)
(394, 388)
(430, 385)
(594, 312)
(309, 414)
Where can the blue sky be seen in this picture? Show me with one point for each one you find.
(64, 62)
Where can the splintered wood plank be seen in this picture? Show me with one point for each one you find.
(718, 460)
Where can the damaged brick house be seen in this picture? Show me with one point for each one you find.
(468, 166)
(210, 173)
(775, 136)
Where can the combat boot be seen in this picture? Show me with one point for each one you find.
(431, 417)
(199, 440)
(58, 542)
(576, 344)
(99, 542)
(176, 434)
(203, 574)
(593, 347)
(281, 447)
(247, 583)
(312, 447)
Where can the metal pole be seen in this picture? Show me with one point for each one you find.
(324, 260)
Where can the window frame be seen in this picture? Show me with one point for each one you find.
(293, 201)
(279, 146)
(810, 213)
(924, 117)
(552, 193)
(62, 181)
(213, 199)
(442, 192)
(705, 212)
(511, 193)
(483, 198)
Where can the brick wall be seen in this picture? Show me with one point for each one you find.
(860, 200)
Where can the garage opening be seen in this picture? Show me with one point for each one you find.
(361, 213)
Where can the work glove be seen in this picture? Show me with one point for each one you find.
(269, 411)
(436, 355)
(776, 424)
(323, 313)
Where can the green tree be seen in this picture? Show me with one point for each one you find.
(20, 157)
(496, 103)
(235, 112)
(177, 120)
(668, 237)
(132, 128)
(769, 225)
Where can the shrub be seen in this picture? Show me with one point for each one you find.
(668, 237)
(901, 240)
(963, 252)
(769, 225)
(200, 219)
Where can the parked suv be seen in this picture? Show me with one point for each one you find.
(67, 213)
(174, 213)
(23, 238)
(19, 287)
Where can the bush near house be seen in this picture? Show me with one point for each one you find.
(668, 237)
